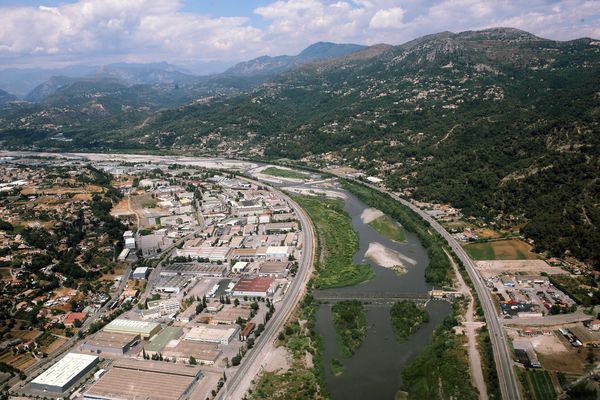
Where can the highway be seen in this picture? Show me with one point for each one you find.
(238, 384)
(509, 385)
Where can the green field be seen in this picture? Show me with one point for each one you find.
(540, 385)
(337, 241)
(388, 228)
(285, 173)
(511, 249)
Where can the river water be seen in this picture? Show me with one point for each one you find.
(373, 372)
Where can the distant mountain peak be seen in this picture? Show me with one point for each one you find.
(267, 65)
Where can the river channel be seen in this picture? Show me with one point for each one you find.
(373, 372)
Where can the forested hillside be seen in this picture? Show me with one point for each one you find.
(500, 123)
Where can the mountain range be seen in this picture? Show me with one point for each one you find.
(500, 123)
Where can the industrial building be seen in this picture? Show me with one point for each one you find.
(145, 329)
(110, 342)
(172, 284)
(164, 306)
(64, 373)
(140, 273)
(212, 333)
(204, 353)
(135, 379)
(255, 287)
(192, 268)
(158, 342)
(274, 269)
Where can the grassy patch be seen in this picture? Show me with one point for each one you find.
(339, 242)
(511, 249)
(337, 368)
(350, 321)
(284, 173)
(388, 228)
(538, 384)
(407, 318)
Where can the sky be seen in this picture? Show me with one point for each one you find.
(200, 34)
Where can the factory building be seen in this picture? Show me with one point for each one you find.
(212, 333)
(136, 379)
(145, 329)
(140, 273)
(204, 353)
(255, 287)
(64, 373)
(172, 284)
(165, 306)
(110, 342)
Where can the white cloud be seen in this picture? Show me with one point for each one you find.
(388, 18)
(150, 30)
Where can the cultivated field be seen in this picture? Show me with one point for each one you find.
(511, 249)
(540, 385)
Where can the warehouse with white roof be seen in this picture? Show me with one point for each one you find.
(64, 373)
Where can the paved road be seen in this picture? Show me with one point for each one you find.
(509, 385)
(38, 367)
(237, 385)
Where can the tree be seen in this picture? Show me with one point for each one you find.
(236, 302)
(77, 323)
(193, 361)
(250, 343)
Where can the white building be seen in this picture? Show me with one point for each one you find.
(212, 333)
(140, 273)
(130, 243)
(64, 373)
(165, 306)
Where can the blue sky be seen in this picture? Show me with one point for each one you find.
(220, 32)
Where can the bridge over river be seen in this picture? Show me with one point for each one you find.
(332, 296)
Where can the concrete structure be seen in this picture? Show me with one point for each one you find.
(135, 380)
(64, 373)
(255, 287)
(110, 342)
(212, 334)
(194, 269)
(165, 306)
(274, 269)
(140, 273)
(204, 353)
(239, 267)
(123, 255)
(130, 243)
(279, 252)
(158, 342)
(145, 329)
(172, 284)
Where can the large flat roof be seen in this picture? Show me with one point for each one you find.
(259, 284)
(65, 369)
(127, 326)
(129, 380)
(159, 341)
(211, 333)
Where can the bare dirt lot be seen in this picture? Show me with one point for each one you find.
(529, 267)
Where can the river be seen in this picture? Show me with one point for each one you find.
(373, 372)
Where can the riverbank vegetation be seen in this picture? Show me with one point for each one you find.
(439, 270)
(337, 368)
(407, 318)
(305, 376)
(388, 228)
(440, 371)
(284, 173)
(350, 322)
(338, 241)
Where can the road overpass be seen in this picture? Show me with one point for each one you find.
(331, 296)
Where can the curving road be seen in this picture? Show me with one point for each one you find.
(509, 385)
(238, 384)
